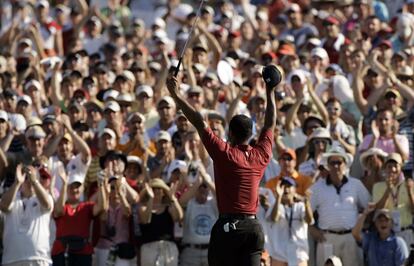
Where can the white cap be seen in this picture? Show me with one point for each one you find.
(168, 100)
(129, 75)
(113, 106)
(124, 97)
(163, 135)
(33, 83)
(144, 88)
(35, 132)
(43, 3)
(319, 52)
(134, 159)
(174, 165)
(136, 114)
(159, 22)
(108, 131)
(76, 178)
(26, 41)
(110, 94)
(4, 115)
(25, 98)
(182, 11)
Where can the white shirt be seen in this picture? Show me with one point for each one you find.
(198, 221)
(75, 167)
(26, 231)
(283, 243)
(338, 210)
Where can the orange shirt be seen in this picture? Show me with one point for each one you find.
(303, 182)
(136, 152)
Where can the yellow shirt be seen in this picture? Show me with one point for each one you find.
(403, 201)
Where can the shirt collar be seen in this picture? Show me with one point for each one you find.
(338, 189)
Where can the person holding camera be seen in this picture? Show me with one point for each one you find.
(27, 207)
(73, 222)
(288, 234)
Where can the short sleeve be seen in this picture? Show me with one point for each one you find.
(365, 142)
(213, 144)
(265, 143)
(363, 195)
(401, 253)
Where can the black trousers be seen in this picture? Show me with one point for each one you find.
(242, 245)
(73, 260)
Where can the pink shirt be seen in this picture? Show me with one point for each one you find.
(385, 144)
(116, 218)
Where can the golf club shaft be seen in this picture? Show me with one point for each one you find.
(177, 69)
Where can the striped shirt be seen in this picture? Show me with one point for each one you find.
(338, 207)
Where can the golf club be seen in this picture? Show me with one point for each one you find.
(177, 68)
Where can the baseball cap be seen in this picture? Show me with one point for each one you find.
(113, 106)
(195, 89)
(332, 20)
(200, 46)
(110, 94)
(136, 114)
(4, 115)
(125, 97)
(33, 83)
(163, 135)
(288, 181)
(137, 22)
(272, 75)
(293, 8)
(382, 212)
(108, 131)
(67, 137)
(35, 132)
(319, 52)
(288, 151)
(26, 41)
(392, 91)
(25, 98)
(159, 22)
(144, 89)
(76, 178)
(42, 3)
(395, 157)
(134, 159)
(168, 100)
(49, 118)
(112, 155)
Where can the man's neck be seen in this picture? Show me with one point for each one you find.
(336, 181)
(165, 125)
(384, 236)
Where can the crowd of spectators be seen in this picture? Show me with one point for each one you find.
(98, 167)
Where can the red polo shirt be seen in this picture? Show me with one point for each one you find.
(238, 170)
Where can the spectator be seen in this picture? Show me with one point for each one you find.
(396, 194)
(289, 244)
(382, 240)
(335, 230)
(27, 216)
(372, 162)
(157, 215)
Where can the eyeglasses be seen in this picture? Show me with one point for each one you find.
(336, 163)
(286, 158)
(320, 141)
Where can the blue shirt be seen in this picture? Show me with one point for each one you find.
(392, 251)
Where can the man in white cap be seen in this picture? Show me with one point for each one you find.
(299, 29)
(396, 194)
(145, 98)
(159, 163)
(338, 199)
(166, 110)
(27, 207)
(112, 118)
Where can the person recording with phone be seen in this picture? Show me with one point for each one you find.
(238, 169)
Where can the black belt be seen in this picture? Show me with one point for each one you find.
(237, 216)
(196, 246)
(341, 232)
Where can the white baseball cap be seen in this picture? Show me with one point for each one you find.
(108, 131)
(113, 106)
(25, 98)
(144, 89)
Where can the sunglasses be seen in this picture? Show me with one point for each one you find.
(336, 163)
(320, 141)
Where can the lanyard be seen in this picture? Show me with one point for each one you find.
(394, 196)
(290, 220)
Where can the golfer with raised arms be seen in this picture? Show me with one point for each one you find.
(237, 236)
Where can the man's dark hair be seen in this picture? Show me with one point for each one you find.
(241, 128)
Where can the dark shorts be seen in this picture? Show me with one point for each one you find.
(242, 245)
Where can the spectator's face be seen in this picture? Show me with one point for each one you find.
(196, 100)
(35, 146)
(24, 109)
(65, 149)
(373, 26)
(200, 56)
(393, 170)
(247, 31)
(202, 194)
(106, 143)
(288, 192)
(75, 192)
(384, 121)
(334, 110)
(68, 88)
(337, 166)
(34, 93)
(383, 225)
(132, 170)
(182, 124)
(193, 140)
(145, 101)
(374, 162)
(10, 104)
(42, 14)
(295, 18)
(94, 115)
(163, 146)
(217, 127)
(166, 112)
(331, 29)
(75, 115)
(136, 126)
(287, 164)
(111, 116)
(320, 144)
(3, 128)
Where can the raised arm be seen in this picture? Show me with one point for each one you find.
(193, 116)
(9, 196)
(100, 204)
(317, 101)
(358, 87)
(41, 194)
(213, 44)
(79, 143)
(60, 203)
(270, 114)
(145, 210)
(275, 215)
(174, 209)
(357, 230)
